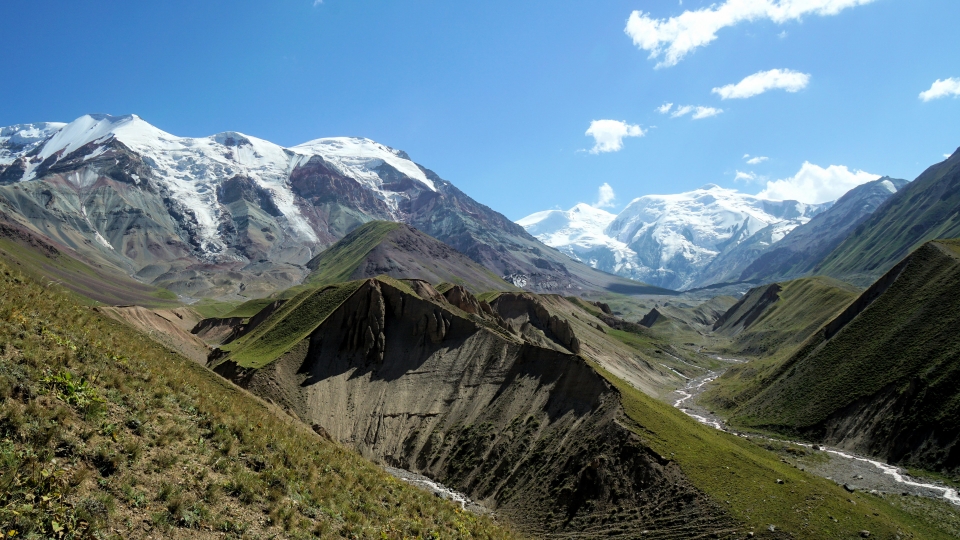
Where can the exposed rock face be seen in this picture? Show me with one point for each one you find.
(527, 312)
(527, 430)
(651, 318)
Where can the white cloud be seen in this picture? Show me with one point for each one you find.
(763, 81)
(665, 108)
(947, 156)
(814, 184)
(756, 160)
(317, 2)
(608, 134)
(748, 176)
(706, 112)
(698, 111)
(605, 197)
(942, 88)
(674, 38)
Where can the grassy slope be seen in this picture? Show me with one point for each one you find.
(289, 325)
(337, 263)
(924, 210)
(917, 318)
(102, 431)
(804, 306)
(744, 477)
(97, 285)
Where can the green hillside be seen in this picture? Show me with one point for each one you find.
(338, 262)
(104, 434)
(884, 375)
(776, 331)
(755, 487)
(926, 209)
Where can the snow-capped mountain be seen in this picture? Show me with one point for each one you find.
(668, 240)
(579, 233)
(234, 214)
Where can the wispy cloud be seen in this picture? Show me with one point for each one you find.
(764, 81)
(755, 160)
(608, 135)
(672, 39)
(705, 112)
(814, 184)
(747, 176)
(683, 110)
(605, 197)
(942, 88)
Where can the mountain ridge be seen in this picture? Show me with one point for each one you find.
(233, 216)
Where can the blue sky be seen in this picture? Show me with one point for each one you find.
(497, 96)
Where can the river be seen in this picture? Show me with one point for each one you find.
(851, 470)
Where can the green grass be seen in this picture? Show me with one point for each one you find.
(906, 344)
(249, 308)
(926, 209)
(95, 286)
(742, 477)
(213, 309)
(289, 325)
(339, 261)
(805, 305)
(105, 434)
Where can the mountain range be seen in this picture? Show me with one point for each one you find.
(234, 216)
(670, 240)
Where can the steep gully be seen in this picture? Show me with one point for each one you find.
(875, 475)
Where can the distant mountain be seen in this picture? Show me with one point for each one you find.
(235, 216)
(927, 208)
(399, 251)
(805, 246)
(671, 240)
(881, 377)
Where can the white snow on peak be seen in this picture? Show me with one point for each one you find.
(889, 185)
(192, 169)
(579, 232)
(665, 239)
(359, 158)
(21, 139)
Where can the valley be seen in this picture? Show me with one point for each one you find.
(294, 324)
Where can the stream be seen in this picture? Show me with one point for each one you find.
(438, 489)
(851, 470)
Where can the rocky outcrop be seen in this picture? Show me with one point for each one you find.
(651, 318)
(531, 432)
(527, 312)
